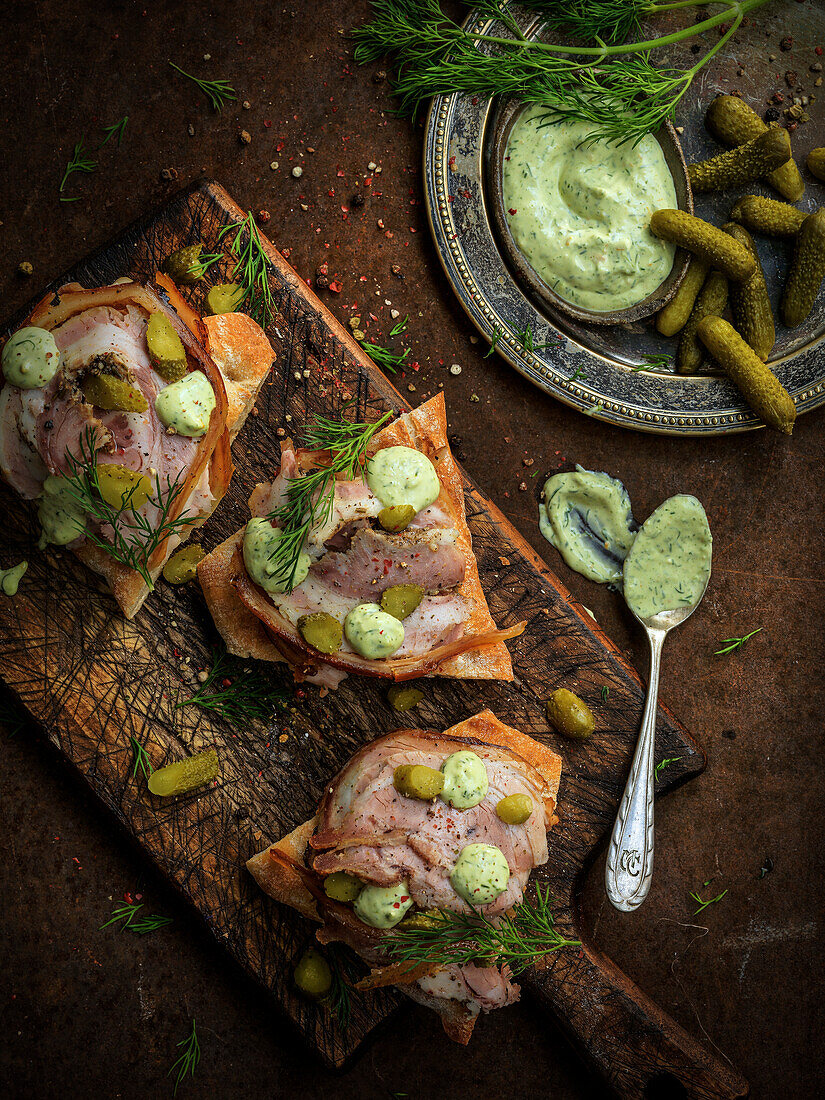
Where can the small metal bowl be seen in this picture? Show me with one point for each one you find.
(494, 153)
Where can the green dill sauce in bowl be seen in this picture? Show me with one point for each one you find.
(579, 211)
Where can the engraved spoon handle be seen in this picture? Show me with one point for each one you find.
(629, 867)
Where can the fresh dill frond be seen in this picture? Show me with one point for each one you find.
(310, 499)
(115, 131)
(134, 537)
(655, 362)
(605, 692)
(519, 939)
(218, 92)
(612, 83)
(200, 266)
(345, 971)
(399, 326)
(579, 374)
(730, 645)
(249, 693)
(188, 1061)
(660, 767)
(80, 161)
(498, 332)
(384, 358)
(525, 337)
(252, 269)
(127, 917)
(694, 894)
(141, 757)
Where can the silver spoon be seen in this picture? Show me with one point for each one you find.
(629, 868)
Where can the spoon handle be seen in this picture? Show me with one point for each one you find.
(629, 867)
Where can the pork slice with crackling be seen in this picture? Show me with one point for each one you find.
(370, 830)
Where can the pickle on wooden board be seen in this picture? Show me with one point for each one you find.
(183, 564)
(705, 241)
(165, 348)
(752, 313)
(742, 164)
(182, 264)
(673, 317)
(185, 775)
(224, 298)
(711, 302)
(109, 392)
(733, 122)
(807, 270)
(757, 383)
(402, 697)
(816, 163)
(770, 217)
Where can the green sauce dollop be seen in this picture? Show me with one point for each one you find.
(260, 542)
(669, 564)
(61, 517)
(187, 405)
(372, 632)
(383, 906)
(465, 780)
(402, 475)
(10, 578)
(481, 873)
(587, 517)
(30, 358)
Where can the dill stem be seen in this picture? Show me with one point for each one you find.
(740, 7)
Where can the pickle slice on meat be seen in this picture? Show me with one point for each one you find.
(165, 348)
(109, 392)
(121, 487)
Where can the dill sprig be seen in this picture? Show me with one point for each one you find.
(127, 917)
(114, 131)
(655, 362)
(385, 358)
(704, 904)
(345, 971)
(605, 692)
(199, 268)
(80, 161)
(518, 938)
(498, 332)
(525, 336)
(188, 1061)
(732, 644)
(252, 269)
(135, 538)
(249, 694)
(141, 758)
(612, 83)
(311, 498)
(660, 767)
(218, 92)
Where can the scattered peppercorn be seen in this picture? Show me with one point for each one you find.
(168, 173)
(379, 77)
(357, 199)
(791, 78)
(771, 115)
(397, 272)
(24, 268)
(244, 137)
(786, 43)
(262, 217)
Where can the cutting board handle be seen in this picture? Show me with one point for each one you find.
(639, 1051)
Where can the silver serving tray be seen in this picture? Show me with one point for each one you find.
(595, 369)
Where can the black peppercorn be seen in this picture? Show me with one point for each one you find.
(771, 115)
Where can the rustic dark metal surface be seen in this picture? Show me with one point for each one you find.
(595, 368)
(97, 1014)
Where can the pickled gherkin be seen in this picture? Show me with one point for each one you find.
(672, 317)
(401, 600)
(185, 775)
(733, 122)
(711, 303)
(751, 306)
(224, 298)
(182, 265)
(514, 809)
(165, 348)
(397, 517)
(742, 164)
(401, 697)
(342, 886)
(182, 566)
(759, 386)
(705, 241)
(312, 974)
(570, 715)
(418, 781)
(321, 631)
(109, 392)
(807, 270)
(816, 163)
(121, 487)
(767, 216)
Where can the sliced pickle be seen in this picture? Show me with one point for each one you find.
(182, 566)
(403, 698)
(112, 393)
(185, 775)
(396, 518)
(121, 487)
(321, 631)
(224, 298)
(165, 348)
(401, 600)
(182, 264)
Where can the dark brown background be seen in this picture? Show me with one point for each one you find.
(88, 1012)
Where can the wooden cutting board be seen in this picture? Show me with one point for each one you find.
(92, 680)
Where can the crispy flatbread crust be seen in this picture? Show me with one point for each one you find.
(425, 429)
(240, 350)
(284, 884)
